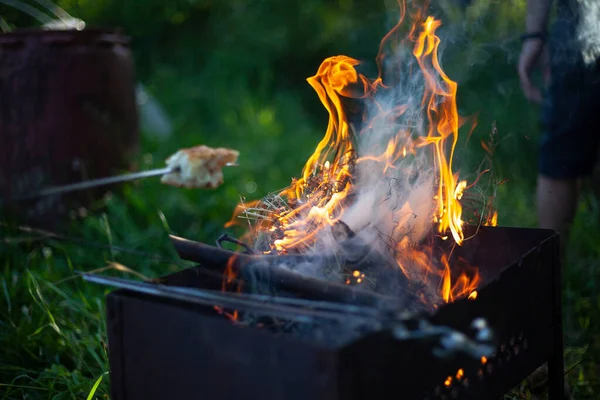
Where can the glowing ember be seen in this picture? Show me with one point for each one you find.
(391, 183)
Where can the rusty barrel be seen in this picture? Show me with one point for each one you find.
(67, 113)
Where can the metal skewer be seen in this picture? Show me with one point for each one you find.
(102, 182)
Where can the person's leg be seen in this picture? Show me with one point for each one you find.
(557, 204)
(569, 145)
(567, 153)
(568, 150)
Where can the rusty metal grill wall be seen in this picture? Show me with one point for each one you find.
(169, 348)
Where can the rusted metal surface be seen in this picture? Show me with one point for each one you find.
(165, 347)
(67, 113)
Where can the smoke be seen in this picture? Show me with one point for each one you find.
(391, 207)
(588, 30)
(395, 203)
(484, 30)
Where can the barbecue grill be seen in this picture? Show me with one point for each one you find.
(166, 340)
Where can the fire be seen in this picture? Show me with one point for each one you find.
(333, 178)
(229, 278)
(450, 190)
(461, 286)
(493, 220)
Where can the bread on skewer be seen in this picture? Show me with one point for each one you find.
(199, 167)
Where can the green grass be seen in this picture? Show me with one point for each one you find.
(52, 327)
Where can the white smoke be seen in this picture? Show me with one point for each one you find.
(396, 203)
(588, 30)
(391, 207)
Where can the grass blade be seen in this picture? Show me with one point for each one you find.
(95, 387)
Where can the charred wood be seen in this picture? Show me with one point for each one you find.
(204, 254)
(226, 238)
(277, 272)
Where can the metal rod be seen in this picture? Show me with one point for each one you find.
(250, 303)
(102, 182)
(96, 182)
(261, 299)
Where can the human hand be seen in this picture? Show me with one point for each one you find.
(533, 54)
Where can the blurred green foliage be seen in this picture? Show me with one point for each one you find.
(233, 73)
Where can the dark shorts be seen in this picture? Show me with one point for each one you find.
(571, 111)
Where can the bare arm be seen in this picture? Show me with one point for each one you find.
(533, 50)
(538, 13)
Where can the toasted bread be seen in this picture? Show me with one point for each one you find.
(199, 167)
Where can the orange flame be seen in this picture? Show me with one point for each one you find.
(318, 199)
(446, 114)
(228, 278)
(492, 220)
(462, 286)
